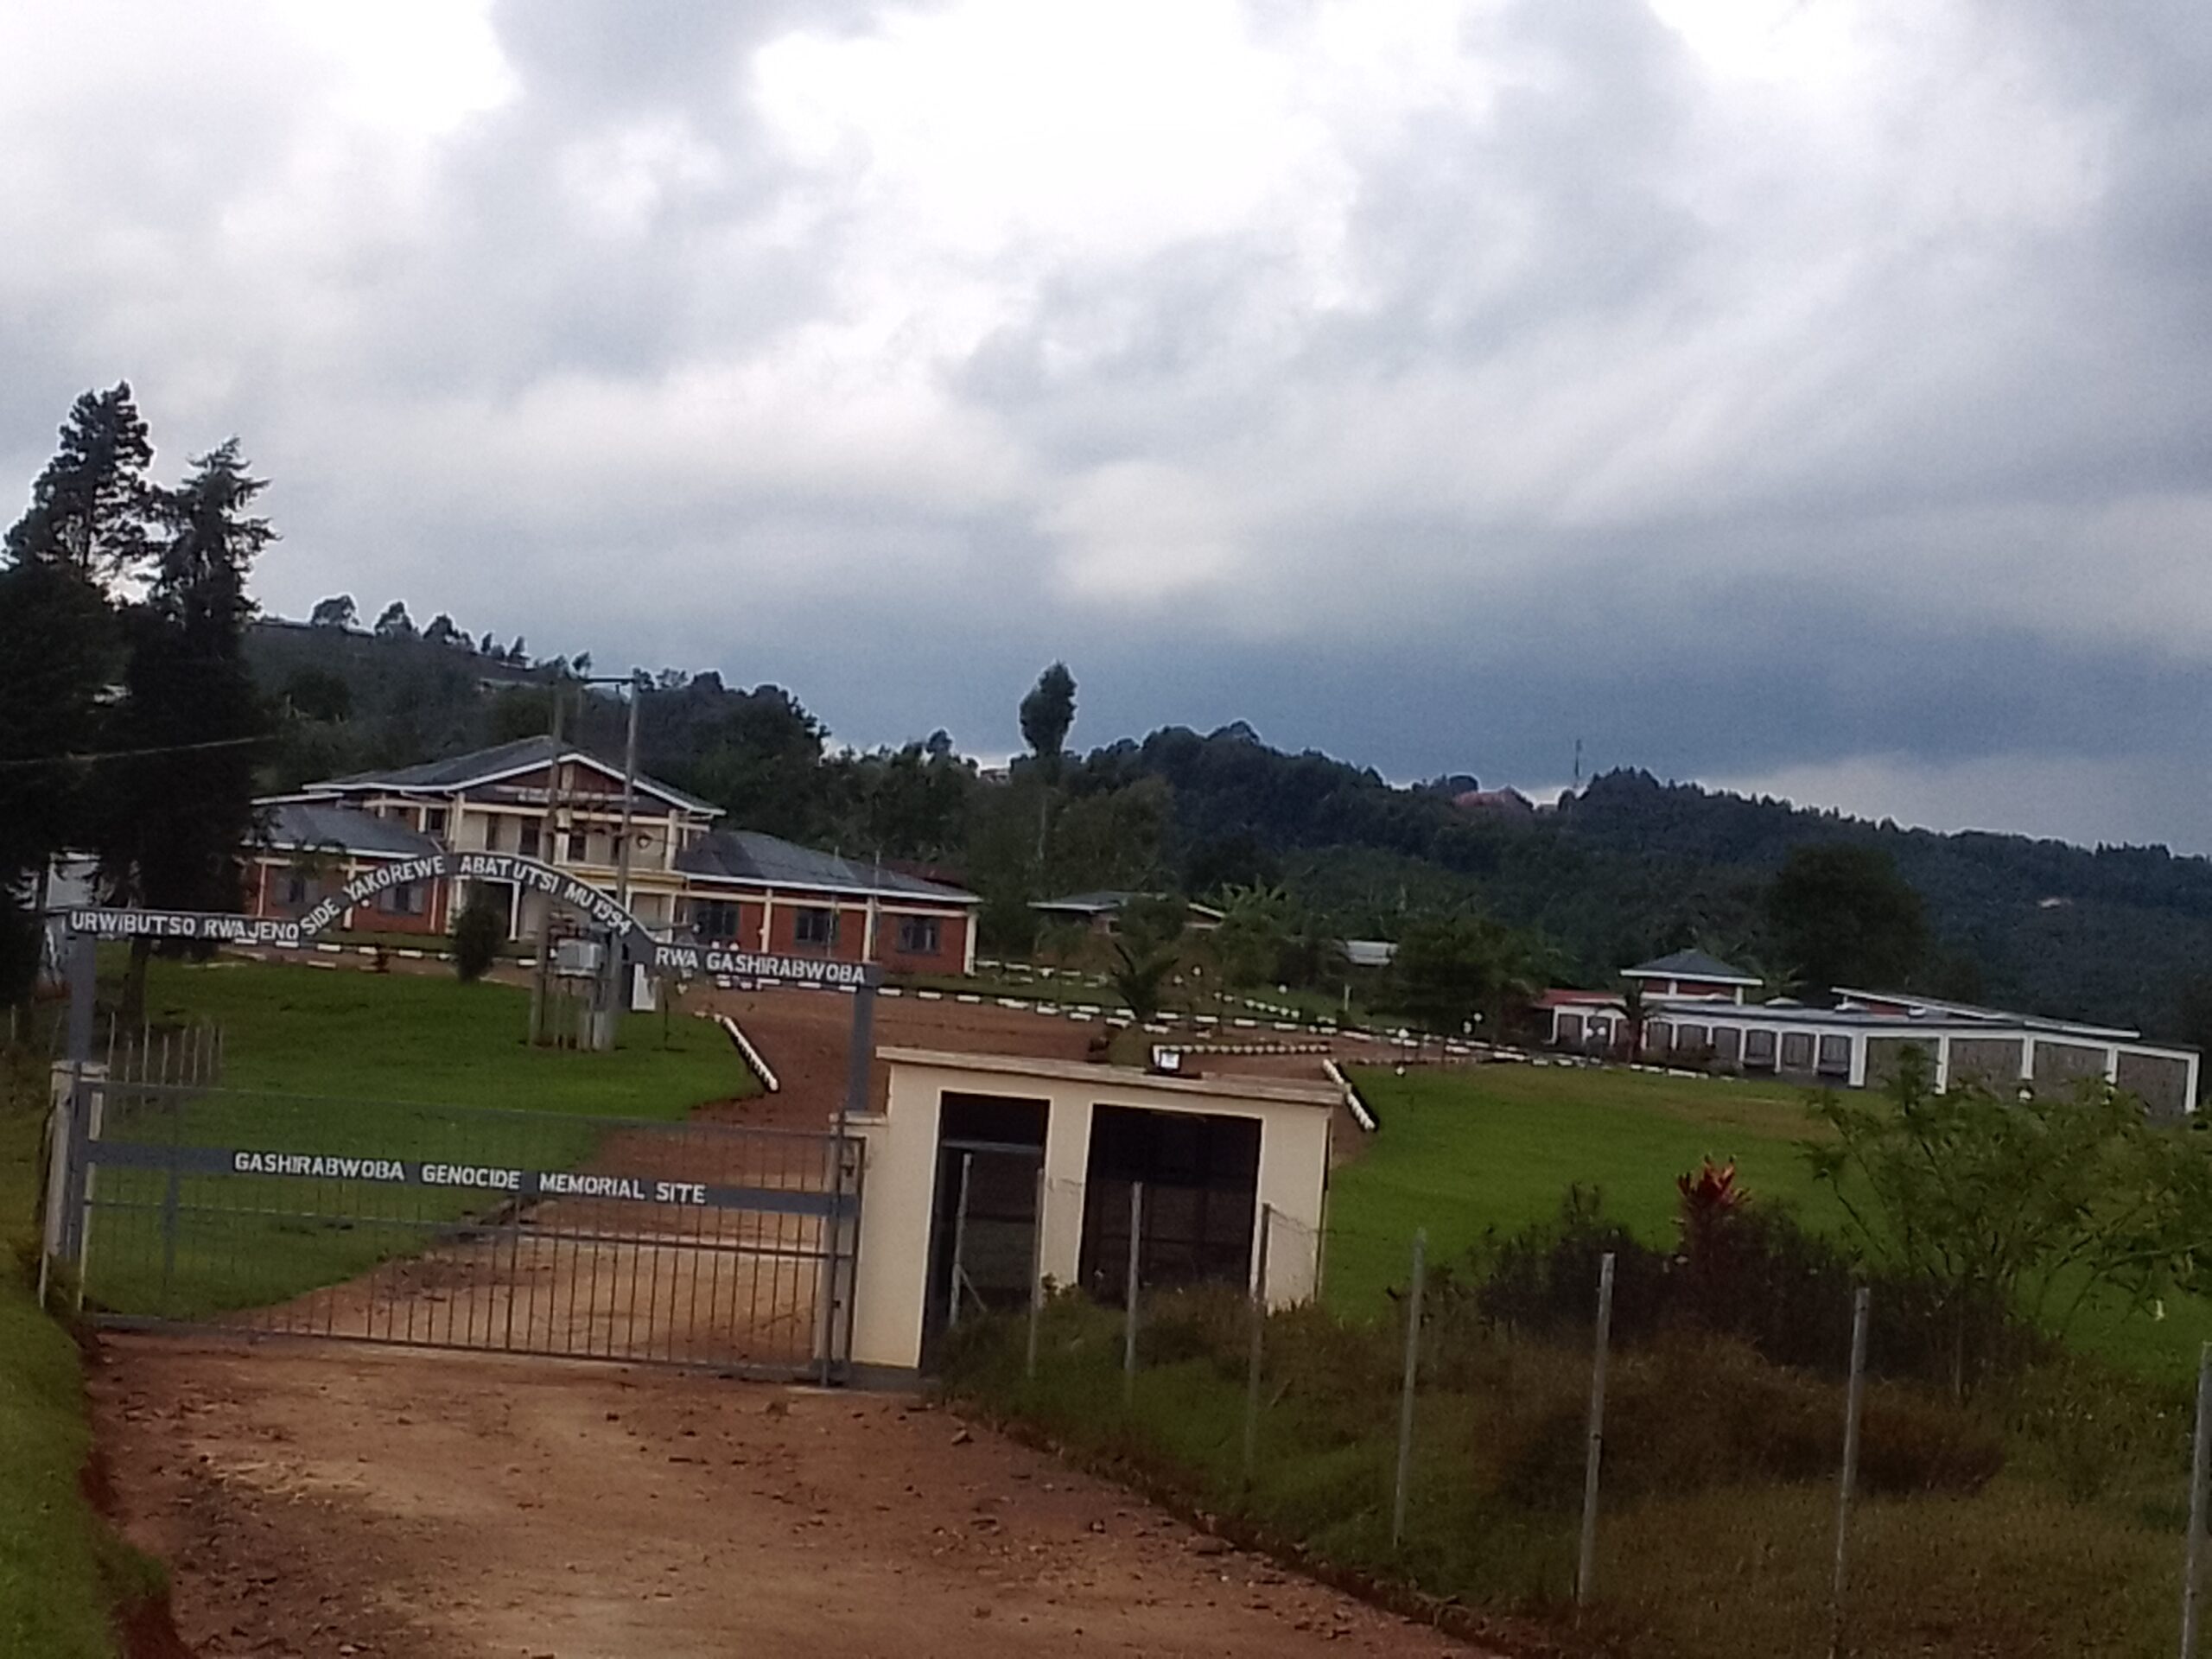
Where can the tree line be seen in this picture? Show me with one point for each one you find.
(130, 726)
(105, 600)
(1625, 869)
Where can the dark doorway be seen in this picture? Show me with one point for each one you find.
(989, 1150)
(1201, 1176)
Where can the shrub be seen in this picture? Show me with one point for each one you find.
(2093, 1431)
(1750, 1272)
(478, 932)
(1207, 1322)
(1695, 1412)
(1542, 1281)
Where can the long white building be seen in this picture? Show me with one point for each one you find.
(1695, 1015)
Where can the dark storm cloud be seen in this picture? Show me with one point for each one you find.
(1757, 392)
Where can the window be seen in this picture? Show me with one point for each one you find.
(527, 846)
(918, 935)
(714, 919)
(579, 847)
(816, 928)
(434, 820)
(405, 900)
(296, 887)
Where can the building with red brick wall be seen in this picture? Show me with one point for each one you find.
(563, 805)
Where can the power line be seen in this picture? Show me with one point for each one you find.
(132, 754)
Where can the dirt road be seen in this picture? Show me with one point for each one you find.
(340, 1502)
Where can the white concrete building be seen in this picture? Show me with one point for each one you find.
(1857, 1043)
(1214, 1154)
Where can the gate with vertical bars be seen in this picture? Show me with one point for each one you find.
(689, 1243)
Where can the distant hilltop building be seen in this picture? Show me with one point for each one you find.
(1508, 802)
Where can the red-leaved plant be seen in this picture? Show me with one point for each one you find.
(1711, 1204)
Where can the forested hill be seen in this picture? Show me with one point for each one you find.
(1630, 867)
(1626, 869)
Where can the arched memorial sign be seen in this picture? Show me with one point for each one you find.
(90, 924)
(529, 875)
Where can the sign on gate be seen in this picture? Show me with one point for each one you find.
(520, 1181)
(657, 955)
(694, 1244)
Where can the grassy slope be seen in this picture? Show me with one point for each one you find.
(1461, 1152)
(1736, 1562)
(52, 1601)
(349, 1040)
(1739, 1565)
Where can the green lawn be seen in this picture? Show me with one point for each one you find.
(344, 1062)
(54, 1594)
(1466, 1150)
(428, 1037)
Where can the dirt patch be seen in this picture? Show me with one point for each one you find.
(316, 1502)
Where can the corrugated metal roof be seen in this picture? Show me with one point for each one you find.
(1689, 964)
(305, 826)
(1090, 904)
(747, 855)
(524, 755)
(1111, 900)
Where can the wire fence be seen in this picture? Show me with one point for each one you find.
(1591, 1452)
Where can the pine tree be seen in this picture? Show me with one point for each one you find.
(87, 523)
(58, 639)
(91, 508)
(179, 818)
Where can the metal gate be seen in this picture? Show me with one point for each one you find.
(548, 1233)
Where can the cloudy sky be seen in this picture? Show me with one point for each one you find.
(1811, 397)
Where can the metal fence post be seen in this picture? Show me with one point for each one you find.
(2193, 1559)
(87, 1105)
(1036, 1276)
(1586, 1562)
(1259, 1340)
(1406, 1395)
(1129, 1320)
(60, 1138)
(959, 1243)
(1854, 1400)
(171, 1193)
